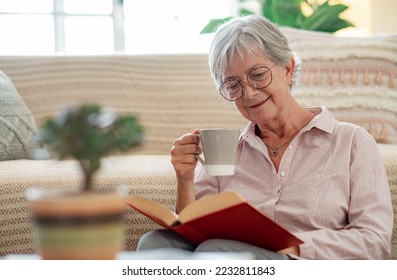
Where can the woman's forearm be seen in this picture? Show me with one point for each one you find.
(184, 194)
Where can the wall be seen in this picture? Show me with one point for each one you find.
(370, 17)
(384, 18)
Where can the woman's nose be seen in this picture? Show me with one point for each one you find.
(248, 90)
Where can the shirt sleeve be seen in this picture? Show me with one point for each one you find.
(367, 234)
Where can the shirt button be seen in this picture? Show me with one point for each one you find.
(289, 147)
(282, 174)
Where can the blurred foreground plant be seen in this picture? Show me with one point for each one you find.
(88, 133)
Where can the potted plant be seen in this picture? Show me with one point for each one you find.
(300, 14)
(87, 223)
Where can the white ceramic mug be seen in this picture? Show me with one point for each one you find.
(219, 149)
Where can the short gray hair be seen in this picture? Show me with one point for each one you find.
(252, 34)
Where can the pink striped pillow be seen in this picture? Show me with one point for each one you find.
(355, 78)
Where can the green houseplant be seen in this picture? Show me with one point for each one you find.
(89, 133)
(291, 13)
(87, 223)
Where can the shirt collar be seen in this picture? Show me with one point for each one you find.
(323, 119)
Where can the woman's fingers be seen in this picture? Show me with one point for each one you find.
(184, 153)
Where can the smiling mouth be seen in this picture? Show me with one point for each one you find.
(259, 104)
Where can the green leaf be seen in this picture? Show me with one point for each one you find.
(283, 12)
(269, 11)
(244, 12)
(324, 17)
(213, 25)
(290, 12)
(338, 25)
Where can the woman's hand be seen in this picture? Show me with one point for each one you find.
(184, 153)
(291, 250)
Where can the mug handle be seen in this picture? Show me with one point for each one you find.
(198, 156)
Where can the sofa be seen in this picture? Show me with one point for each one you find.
(172, 94)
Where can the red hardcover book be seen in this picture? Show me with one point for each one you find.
(226, 215)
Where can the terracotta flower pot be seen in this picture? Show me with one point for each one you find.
(77, 225)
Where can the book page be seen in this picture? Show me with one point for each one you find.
(153, 210)
(210, 204)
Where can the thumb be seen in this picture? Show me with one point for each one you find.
(196, 131)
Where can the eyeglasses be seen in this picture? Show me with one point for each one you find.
(258, 78)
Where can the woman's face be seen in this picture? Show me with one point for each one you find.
(261, 105)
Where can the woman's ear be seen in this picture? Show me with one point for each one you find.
(290, 71)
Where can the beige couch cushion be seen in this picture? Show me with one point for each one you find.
(170, 94)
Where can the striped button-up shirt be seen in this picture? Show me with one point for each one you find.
(331, 188)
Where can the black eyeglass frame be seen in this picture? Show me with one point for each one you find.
(248, 81)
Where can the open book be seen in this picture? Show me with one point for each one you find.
(226, 215)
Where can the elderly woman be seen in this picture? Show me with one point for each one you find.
(321, 179)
